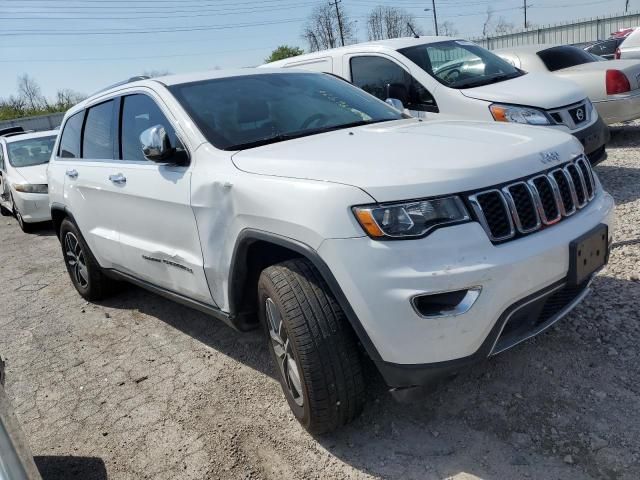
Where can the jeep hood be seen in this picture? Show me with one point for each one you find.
(410, 159)
(533, 90)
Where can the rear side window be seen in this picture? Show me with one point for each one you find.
(557, 58)
(98, 135)
(381, 77)
(70, 139)
(140, 112)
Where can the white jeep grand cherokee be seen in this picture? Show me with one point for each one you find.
(295, 200)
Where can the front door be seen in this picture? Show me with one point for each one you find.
(158, 232)
(384, 78)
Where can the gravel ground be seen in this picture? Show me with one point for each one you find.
(139, 387)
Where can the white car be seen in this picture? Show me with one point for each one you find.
(296, 200)
(23, 175)
(630, 47)
(448, 78)
(613, 86)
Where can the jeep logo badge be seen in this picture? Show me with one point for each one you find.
(549, 157)
(580, 114)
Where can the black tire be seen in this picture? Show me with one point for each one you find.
(322, 343)
(5, 212)
(90, 281)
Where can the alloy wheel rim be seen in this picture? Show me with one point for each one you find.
(76, 259)
(284, 352)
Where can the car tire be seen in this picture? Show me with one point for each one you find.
(86, 275)
(5, 212)
(312, 344)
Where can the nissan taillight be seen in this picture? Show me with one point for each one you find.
(617, 82)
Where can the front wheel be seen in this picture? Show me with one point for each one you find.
(312, 344)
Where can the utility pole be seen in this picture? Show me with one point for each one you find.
(525, 14)
(435, 16)
(626, 6)
(336, 3)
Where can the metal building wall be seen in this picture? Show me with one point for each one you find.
(583, 31)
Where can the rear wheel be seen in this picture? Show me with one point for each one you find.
(86, 275)
(314, 349)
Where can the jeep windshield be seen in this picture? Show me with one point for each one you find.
(27, 153)
(460, 64)
(236, 113)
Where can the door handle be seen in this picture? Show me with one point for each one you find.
(73, 173)
(118, 179)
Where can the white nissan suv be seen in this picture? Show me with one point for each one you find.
(297, 201)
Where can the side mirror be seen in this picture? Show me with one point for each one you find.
(395, 103)
(156, 145)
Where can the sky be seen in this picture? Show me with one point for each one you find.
(85, 45)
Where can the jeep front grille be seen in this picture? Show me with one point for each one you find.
(526, 206)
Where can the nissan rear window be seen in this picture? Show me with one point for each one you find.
(557, 58)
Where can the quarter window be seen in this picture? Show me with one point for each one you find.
(140, 112)
(97, 139)
(70, 140)
(384, 79)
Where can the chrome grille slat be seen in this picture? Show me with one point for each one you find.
(526, 206)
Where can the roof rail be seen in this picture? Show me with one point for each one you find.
(123, 82)
(5, 132)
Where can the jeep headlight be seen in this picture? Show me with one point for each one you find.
(410, 219)
(31, 188)
(513, 114)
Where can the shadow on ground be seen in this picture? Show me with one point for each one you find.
(511, 399)
(71, 468)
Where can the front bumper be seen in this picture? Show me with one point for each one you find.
(619, 108)
(34, 207)
(379, 279)
(593, 139)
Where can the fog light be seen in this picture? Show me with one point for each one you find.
(445, 304)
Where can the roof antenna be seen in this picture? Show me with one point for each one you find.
(415, 35)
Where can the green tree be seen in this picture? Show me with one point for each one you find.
(282, 52)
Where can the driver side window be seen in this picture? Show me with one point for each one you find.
(384, 79)
(140, 112)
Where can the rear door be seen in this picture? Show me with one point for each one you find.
(158, 232)
(86, 156)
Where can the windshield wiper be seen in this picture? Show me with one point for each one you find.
(479, 82)
(281, 137)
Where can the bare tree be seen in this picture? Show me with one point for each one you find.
(447, 29)
(486, 27)
(67, 98)
(322, 30)
(30, 92)
(390, 22)
(503, 27)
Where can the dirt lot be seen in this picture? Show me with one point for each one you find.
(139, 387)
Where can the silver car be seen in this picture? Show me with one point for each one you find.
(16, 460)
